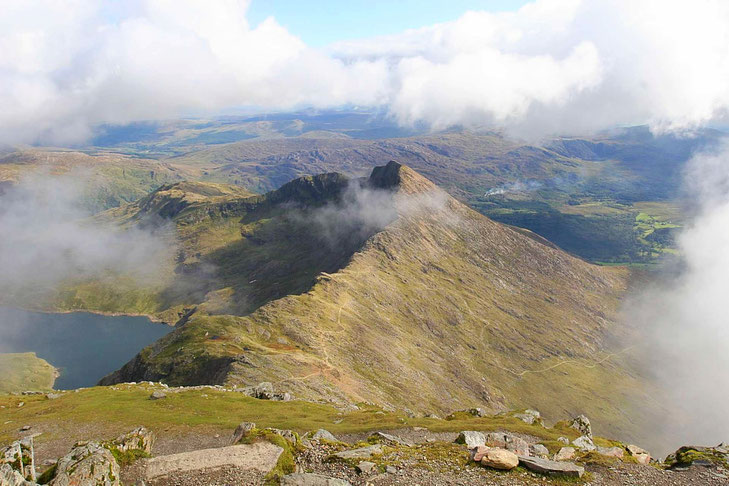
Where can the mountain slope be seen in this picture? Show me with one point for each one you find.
(390, 291)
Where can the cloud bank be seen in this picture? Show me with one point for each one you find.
(46, 239)
(682, 317)
(553, 66)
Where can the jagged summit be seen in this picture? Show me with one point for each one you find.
(397, 176)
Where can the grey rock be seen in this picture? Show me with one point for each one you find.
(391, 439)
(11, 477)
(509, 442)
(471, 438)
(88, 463)
(361, 453)
(307, 479)
(611, 451)
(538, 450)
(289, 435)
(584, 443)
(140, 438)
(391, 470)
(564, 440)
(157, 395)
(477, 412)
(529, 416)
(323, 434)
(582, 424)
(366, 466)
(565, 454)
(545, 466)
(53, 396)
(242, 431)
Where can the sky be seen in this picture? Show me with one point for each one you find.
(323, 22)
(535, 69)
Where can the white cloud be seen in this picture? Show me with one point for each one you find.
(553, 66)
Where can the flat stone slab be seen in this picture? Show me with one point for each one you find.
(261, 456)
(545, 466)
(307, 479)
(361, 453)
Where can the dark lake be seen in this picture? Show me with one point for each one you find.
(83, 346)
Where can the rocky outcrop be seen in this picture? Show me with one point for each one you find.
(11, 477)
(699, 455)
(529, 416)
(87, 463)
(265, 391)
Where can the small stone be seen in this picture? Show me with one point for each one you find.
(391, 470)
(545, 466)
(538, 450)
(25, 428)
(565, 454)
(365, 466)
(582, 424)
(563, 440)
(611, 451)
(242, 431)
(323, 434)
(584, 443)
(157, 395)
(471, 438)
(498, 458)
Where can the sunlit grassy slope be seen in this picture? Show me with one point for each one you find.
(434, 308)
(25, 371)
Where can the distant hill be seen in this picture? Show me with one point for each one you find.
(386, 290)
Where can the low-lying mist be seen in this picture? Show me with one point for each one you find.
(683, 317)
(48, 238)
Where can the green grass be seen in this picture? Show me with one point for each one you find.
(25, 371)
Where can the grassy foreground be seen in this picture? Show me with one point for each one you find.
(113, 410)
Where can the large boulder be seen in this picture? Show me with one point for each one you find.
(545, 466)
(309, 479)
(498, 458)
(16, 455)
(471, 438)
(582, 424)
(509, 442)
(87, 463)
(141, 439)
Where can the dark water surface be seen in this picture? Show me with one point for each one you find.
(83, 346)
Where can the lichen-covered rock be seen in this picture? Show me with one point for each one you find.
(87, 464)
(15, 455)
(498, 458)
(140, 438)
(242, 431)
(289, 435)
(582, 424)
(11, 477)
(471, 438)
(565, 454)
(361, 453)
(509, 442)
(706, 456)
